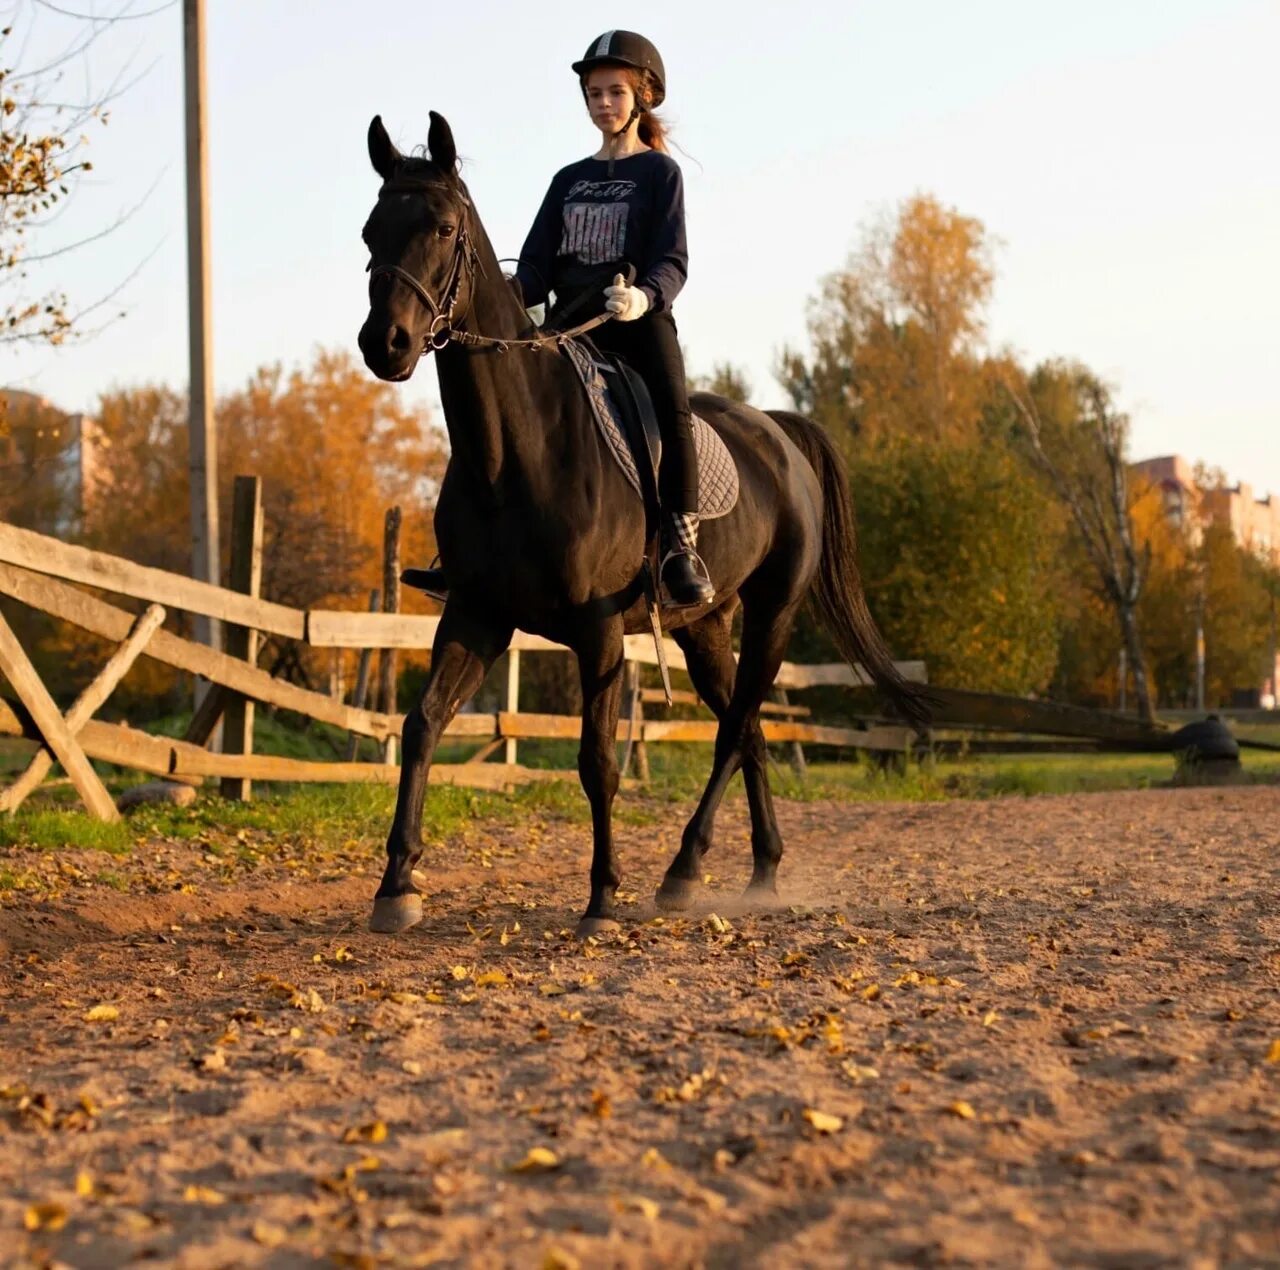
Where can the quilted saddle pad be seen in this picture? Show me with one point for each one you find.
(717, 475)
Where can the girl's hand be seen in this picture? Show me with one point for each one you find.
(624, 302)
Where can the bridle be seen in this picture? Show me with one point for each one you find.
(465, 263)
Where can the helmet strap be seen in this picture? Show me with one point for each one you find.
(617, 136)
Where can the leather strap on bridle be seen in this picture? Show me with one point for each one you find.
(465, 262)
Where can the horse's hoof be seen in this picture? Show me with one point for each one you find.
(675, 893)
(393, 913)
(589, 926)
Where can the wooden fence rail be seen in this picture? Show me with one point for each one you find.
(48, 575)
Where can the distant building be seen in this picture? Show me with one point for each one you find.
(50, 463)
(1254, 523)
(1176, 480)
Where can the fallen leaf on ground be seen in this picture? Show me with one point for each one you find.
(310, 1002)
(45, 1217)
(268, 1235)
(961, 1109)
(550, 989)
(491, 979)
(101, 1014)
(538, 1160)
(374, 1131)
(823, 1121)
(858, 1074)
(1273, 1054)
(642, 1204)
(559, 1259)
(203, 1195)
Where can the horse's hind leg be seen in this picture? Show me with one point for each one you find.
(735, 696)
(465, 647)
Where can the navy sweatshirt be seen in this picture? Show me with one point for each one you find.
(588, 218)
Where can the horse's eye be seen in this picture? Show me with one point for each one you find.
(445, 231)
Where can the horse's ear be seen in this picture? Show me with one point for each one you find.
(440, 143)
(382, 150)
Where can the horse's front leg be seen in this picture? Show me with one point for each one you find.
(466, 645)
(600, 668)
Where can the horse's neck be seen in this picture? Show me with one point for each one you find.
(498, 434)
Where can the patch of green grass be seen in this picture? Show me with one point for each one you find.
(53, 829)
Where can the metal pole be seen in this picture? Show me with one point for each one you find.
(1200, 651)
(202, 437)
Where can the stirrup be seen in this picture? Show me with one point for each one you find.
(701, 575)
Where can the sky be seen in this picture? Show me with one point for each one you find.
(1121, 153)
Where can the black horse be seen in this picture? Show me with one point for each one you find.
(539, 529)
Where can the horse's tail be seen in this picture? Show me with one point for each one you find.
(838, 586)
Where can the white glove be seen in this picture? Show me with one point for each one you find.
(624, 302)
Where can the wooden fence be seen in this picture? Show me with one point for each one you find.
(50, 575)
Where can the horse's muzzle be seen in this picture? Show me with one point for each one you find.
(390, 351)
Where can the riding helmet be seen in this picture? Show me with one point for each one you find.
(626, 48)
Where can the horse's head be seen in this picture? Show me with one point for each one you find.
(421, 258)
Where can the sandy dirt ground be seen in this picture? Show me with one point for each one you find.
(1024, 1032)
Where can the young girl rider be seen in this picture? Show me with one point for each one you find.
(625, 206)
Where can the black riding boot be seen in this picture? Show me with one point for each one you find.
(432, 581)
(683, 574)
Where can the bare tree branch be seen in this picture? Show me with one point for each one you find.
(1089, 474)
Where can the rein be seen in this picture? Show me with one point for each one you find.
(442, 331)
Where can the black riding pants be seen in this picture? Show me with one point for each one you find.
(651, 346)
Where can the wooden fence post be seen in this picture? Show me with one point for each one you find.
(639, 751)
(511, 699)
(390, 604)
(362, 682)
(242, 641)
(16, 667)
(87, 703)
(797, 750)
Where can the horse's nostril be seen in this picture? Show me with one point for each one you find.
(400, 341)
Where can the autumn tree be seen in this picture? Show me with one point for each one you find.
(895, 334)
(725, 380)
(1167, 605)
(958, 547)
(40, 451)
(1078, 440)
(334, 448)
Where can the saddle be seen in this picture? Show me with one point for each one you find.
(628, 423)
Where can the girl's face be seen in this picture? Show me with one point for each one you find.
(610, 98)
